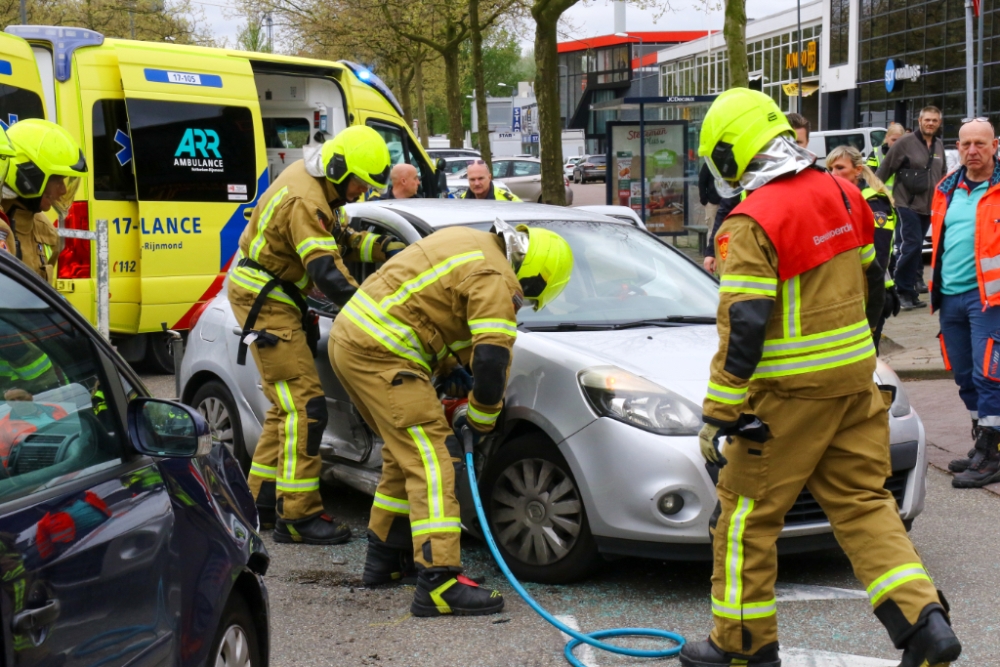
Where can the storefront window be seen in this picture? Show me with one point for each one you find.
(840, 21)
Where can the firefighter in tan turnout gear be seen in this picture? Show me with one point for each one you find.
(453, 295)
(293, 243)
(791, 386)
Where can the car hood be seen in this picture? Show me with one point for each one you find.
(677, 358)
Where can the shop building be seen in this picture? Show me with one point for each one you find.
(701, 66)
(608, 67)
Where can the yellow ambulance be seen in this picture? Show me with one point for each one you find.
(180, 141)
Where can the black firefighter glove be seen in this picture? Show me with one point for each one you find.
(748, 426)
(891, 306)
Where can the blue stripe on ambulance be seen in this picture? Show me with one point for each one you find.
(229, 237)
(6, 68)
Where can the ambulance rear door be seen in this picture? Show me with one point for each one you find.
(20, 85)
(199, 167)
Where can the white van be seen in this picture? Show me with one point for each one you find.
(865, 139)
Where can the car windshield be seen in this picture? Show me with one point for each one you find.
(622, 276)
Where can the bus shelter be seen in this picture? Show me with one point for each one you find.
(652, 158)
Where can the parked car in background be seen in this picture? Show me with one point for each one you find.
(865, 139)
(453, 152)
(455, 166)
(570, 164)
(597, 447)
(590, 168)
(523, 176)
(129, 536)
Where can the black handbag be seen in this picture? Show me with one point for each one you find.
(916, 181)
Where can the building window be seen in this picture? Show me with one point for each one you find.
(840, 22)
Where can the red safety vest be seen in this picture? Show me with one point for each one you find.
(807, 220)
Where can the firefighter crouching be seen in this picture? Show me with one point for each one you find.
(791, 385)
(44, 172)
(288, 248)
(454, 293)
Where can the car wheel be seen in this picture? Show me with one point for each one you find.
(159, 356)
(215, 403)
(236, 643)
(536, 513)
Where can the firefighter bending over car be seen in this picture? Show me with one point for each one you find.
(293, 243)
(791, 386)
(454, 294)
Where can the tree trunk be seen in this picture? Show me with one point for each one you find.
(549, 125)
(735, 32)
(453, 94)
(424, 131)
(403, 80)
(479, 79)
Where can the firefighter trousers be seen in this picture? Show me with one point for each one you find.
(396, 398)
(838, 448)
(287, 454)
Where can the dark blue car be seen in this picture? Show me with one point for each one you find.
(127, 537)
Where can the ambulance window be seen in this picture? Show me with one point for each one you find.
(286, 132)
(395, 140)
(17, 104)
(112, 156)
(193, 152)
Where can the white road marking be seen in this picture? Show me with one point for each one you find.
(584, 652)
(801, 657)
(805, 593)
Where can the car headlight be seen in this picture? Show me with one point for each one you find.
(621, 395)
(900, 404)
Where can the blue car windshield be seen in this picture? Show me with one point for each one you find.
(622, 274)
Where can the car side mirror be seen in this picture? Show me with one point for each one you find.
(442, 177)
(159, 427)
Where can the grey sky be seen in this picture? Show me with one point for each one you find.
(596, 18)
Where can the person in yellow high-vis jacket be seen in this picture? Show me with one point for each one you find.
(791, 386)
(451, 296)
(290, 246)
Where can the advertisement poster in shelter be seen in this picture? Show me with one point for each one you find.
(666, 196)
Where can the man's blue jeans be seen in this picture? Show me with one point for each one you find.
(910, 267)
(972, 344)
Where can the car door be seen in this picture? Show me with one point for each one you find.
(525, 179)
(346, 433)
(199, 164)
(20, 84)
(501, 168)
(86, 573)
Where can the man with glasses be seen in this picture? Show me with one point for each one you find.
(916, 161)
(481, 184)
(965, 288)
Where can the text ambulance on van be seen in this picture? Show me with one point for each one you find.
(180, 141)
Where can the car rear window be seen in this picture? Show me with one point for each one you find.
(192, 152)
(855, 140)
(598, 159)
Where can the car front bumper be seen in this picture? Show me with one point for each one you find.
(622, 473)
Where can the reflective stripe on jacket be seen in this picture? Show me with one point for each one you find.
(987, 241)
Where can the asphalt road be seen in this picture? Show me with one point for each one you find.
(321, 614)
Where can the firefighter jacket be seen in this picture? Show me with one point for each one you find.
(452, 293)
(34, 238)
(494, 193)
(293, 236)
(792, 300)
(987, 240)
(885, 229)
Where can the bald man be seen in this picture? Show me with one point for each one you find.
(481, 184)
(405, 181)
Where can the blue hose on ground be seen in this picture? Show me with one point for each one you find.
(578, 637)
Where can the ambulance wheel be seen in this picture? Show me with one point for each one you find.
(236, 643)
(536, 513)
(159, 357)
(215, 403)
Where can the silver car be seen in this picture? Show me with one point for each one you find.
(597, 454)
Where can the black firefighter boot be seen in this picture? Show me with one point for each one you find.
(443, 590)
(707, 654)
(390, 562)
(961, 465)
(317, 529)
(985, 466)
(930, 642)
(265, 501)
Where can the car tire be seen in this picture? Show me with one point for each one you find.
(216, 404)
(533, 457)
(159, 355)
(236, 643)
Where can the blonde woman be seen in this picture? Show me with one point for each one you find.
(894, 132)
(849, 164)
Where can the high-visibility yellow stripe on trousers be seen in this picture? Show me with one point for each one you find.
(895, 578)
(732, 605)
(436, 522)
(287, 480)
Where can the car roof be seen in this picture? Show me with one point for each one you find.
(437, 213)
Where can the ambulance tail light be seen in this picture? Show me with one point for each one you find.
(74, 260)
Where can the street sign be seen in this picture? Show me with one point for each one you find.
(533, 139)
(517, 119)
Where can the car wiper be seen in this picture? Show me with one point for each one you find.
(670, 321)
